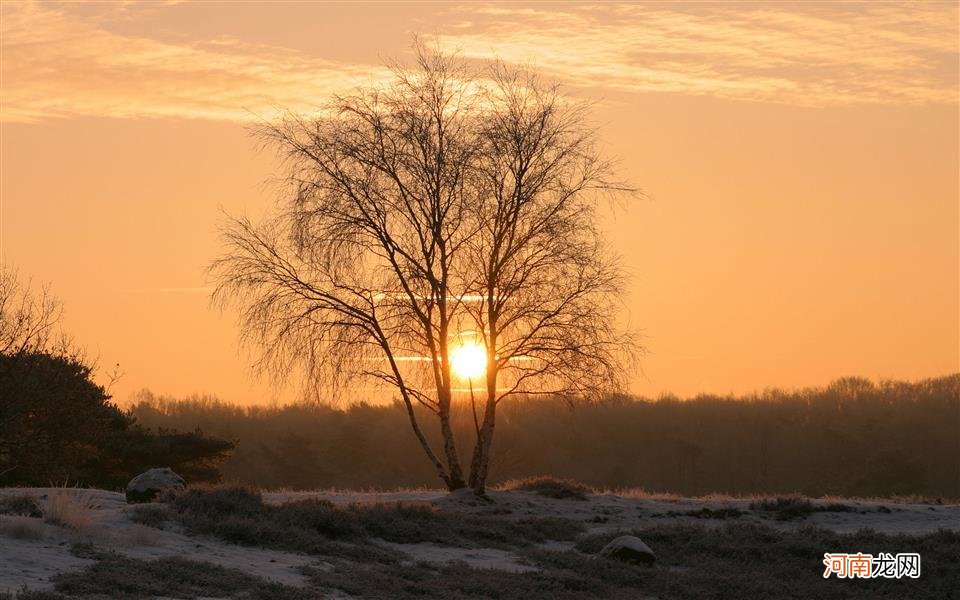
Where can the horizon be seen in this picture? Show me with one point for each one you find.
(800, 222)
(148, 396)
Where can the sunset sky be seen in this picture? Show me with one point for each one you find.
(800, 163)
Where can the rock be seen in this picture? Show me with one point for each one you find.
(146, 486)
(631, 549)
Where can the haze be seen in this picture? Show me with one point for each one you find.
(800, 165)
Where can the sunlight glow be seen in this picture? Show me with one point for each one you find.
(468, 361)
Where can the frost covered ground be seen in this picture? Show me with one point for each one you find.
(91, 544)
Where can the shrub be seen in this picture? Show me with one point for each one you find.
(26, 594)
(219, 501)
(549, 487)
(21, 528)
(707, 513)
(60, 425)
(785, 508)
(457, 580)
(694, 562)
(151, 516)
(749, 560)
(239, 515)
(122, 578)
(20, 504)
(836, 507)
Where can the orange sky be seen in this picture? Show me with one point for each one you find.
(801, 163)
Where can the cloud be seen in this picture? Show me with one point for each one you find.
(57, 63)
(814, 54)
(167, 290)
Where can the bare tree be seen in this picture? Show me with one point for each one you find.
(546, 286)
(449, 203)
(29, 320)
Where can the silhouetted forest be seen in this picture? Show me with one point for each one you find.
(853, 437)
(58, 427)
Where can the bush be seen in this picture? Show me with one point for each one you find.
(238, 515)
(57, 424)
(694, 562)
(22, 505)
(121, 578)
(706, 513)
(151, 516)
(785, 508)
(22, 528)
(26, 594)
(218, 501)
(457, 580)
(550, 487)
(748, 560)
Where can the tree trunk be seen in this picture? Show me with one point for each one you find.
(443, 380)
(441, 472)
(480, 463)
(411, 414)
(454, 479)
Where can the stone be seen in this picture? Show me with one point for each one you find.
(631, 549)
(146, 486)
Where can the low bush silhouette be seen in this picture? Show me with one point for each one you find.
(58, 426)
(239, 515)
(549, 487)
(787, 508)
(22, 505)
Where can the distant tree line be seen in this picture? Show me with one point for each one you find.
(853, 437)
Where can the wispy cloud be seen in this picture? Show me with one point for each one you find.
(167, 290)
(58, 64)
(809, 54)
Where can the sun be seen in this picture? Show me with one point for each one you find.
(468, 361)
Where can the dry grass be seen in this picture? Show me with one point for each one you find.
(693, 562)
(22, 528)
(70, 507)
(643, 494)
(122, 578)
(385, 495)
(317, 526)
(549, 487)
(140, 535)
(349, 490)
(640, 494)
(150, 515)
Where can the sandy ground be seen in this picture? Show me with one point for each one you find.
(32, 562)
(32, 551)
